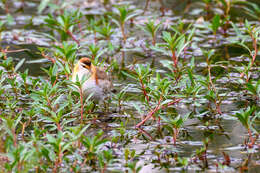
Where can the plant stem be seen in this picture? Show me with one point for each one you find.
(6, 8)
(123, 59)
(175, 60)
(124, 42)
(154, 40)
(251, 138)
(14, 137)
(73, 37)
(145, 132)
(49, 58)
(144, 90)
(158, 107)
(175, 134)
(146, 5)
(214, 88)
(82, 105)
(123, 32)
(256, 51)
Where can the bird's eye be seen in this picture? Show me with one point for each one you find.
(87, 64)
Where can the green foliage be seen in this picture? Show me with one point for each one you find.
(245, 117)
(174, 43)
(48, 125)
(252, 9)
(105, 30)
(63, 24)
(216, 23)
(121, 16)
(151, 28)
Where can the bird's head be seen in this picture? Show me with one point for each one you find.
(84, 67)
(85, 64)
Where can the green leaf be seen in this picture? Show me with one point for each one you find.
(43, 5)
(237, 30)
(132, 15)
(129, 75)
(245, 46)
(251, 88)
(181, 46)
(138, 108)
(167, 37)
(10, 19)
(20, 63)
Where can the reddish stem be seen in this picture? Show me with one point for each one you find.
(23, 128)
(6, 8)
(144, 91)
(154, 41)
(251, 138)
(58, 127)
(175, 134)
(149, 115)
(253, 56)
(175, 60)
(73, 37)
(145, 132)
(227, 159)
(218, 107)
(256, 51)
(123, 32)
(152, 112)
(56, 79)
(80, 28)
(14, 137)
(49, 58)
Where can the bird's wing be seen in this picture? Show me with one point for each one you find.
(101, 74)
(104, 79)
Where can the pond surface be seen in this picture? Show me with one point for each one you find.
(221, 135)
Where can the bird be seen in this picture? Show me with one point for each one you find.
(97, 83)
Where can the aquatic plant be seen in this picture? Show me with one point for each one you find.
(105, 30)
(120, 17)
(246, 118)
(64, 24)
(151, 28)
(174, 124)
(253, 33)
(181, 102)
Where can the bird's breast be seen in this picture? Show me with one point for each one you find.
(98, 91)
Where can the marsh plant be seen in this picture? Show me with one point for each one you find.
(179, 98)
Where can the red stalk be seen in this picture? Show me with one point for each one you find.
(256, 51)
(174, 58)
(144, 91)
(175, 134)
(152, 112)
(49, 58)
(145, 132)
(73, 37)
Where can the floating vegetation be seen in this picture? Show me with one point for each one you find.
(185, 95)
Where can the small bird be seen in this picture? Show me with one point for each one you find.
(97, 81)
